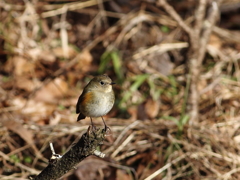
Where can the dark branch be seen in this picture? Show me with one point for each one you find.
(85, 147)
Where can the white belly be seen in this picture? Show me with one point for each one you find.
(101, 108)
(98, 108)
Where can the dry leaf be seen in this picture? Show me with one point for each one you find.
(215, 41)
(92, 168)
(18, 102)
(43, 55)
(58, 52)
(133, 112)
(152, 108)
(24, 133)
(19, 65)
(237, 139)
(32, 107)
(141, 114)
(22, 66)
(52, 91)
(18, 128)
(47, 57)
(22, 82)
(38, 109)
(123, 176)
(84, 61)
(161, 63)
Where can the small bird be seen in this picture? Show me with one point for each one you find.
(97, 99)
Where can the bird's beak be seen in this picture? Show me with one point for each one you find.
(112, 83)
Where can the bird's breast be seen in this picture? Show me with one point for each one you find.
(99, 105)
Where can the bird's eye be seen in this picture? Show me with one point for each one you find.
(102, 83)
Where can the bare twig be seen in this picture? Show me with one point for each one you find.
(159, 171)
(209, 24)
(20, 165)
(199, 16)
(196, 58)
(169, 9)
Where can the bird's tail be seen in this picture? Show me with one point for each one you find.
(80, 116)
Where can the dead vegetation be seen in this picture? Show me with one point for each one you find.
(176, 65)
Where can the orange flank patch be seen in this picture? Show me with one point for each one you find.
(87, 98)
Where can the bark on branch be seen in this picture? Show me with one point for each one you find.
(85, 147)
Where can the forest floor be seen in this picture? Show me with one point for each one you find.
(176, 65)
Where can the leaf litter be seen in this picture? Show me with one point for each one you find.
(49, 51)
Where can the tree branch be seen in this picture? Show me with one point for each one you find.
(86, 146)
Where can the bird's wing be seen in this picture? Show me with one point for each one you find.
(78, 104)
(83, 99)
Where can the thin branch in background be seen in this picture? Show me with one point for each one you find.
(165, 167)
(199, 16)
(208, 28)
(197, 49)
(17, 164)
(103, 13)
(63, 32)
(169, 9)
(196, 59)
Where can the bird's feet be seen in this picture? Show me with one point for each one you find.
(107, 130)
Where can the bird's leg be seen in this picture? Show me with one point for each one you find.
(105, 125)
(92, 124)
